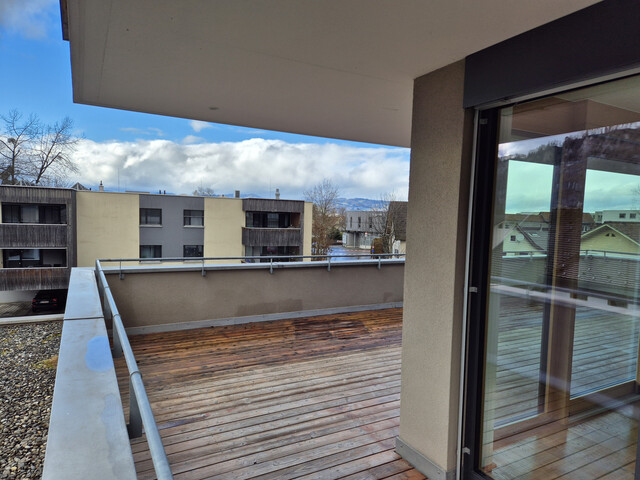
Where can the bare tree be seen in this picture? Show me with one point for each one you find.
(326, 215)
(34, 153)
(15, 144)
(390, 223)
(51, 159)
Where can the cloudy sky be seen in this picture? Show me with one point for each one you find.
(529, 184)
(135, 151)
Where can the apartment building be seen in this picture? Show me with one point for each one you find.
(37, 237)
(46, 231)
(362, 226)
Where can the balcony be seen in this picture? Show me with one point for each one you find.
(33, 235)
(37, 278)
(291, 381)
(276, 237)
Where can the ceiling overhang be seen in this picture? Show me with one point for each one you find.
(331, 68)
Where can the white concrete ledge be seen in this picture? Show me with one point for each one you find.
(31, 319)
(194, 266)
(87, 432)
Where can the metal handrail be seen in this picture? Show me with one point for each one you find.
(140, 413)
(370, 256)
(270, 260)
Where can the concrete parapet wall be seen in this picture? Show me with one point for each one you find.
(155, 296)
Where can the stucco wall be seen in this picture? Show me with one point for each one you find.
(223, 220)
(307, 228)
(434, 278)
(172, 235)
(108, 226)
(162, 297)
(618, 243)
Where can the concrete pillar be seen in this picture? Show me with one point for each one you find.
(439, 179)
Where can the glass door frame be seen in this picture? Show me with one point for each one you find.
(481, 220)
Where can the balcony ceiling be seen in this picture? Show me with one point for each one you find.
(331, 68)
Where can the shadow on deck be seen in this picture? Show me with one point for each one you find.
(313, 397)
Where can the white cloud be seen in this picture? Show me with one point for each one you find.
(190, 139)
(143, 131)
(198, 126)
(29, 18)
(255, 166)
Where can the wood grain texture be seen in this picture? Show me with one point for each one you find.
(313, 397)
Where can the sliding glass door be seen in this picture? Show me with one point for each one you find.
(554, 324)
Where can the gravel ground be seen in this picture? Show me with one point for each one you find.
(28, 357)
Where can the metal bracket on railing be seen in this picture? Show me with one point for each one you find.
(121, 273)
(204, 272)
(328, 264)
(379, 261)
(134, 428)
(271, 265)
(117, 344)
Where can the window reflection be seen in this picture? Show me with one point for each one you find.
(562, 329)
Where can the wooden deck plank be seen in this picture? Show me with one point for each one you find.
(315, 397)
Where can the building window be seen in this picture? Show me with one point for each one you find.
(350, 222)
(42, 214)
(150, 216)
(194, 218)
(150, 251)
(192, 251)
(269, 220)
(622, 215)
(359, 222)
(632, 215)
(34, 257)
(513, 238)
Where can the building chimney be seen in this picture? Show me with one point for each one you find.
(237, 193)
(277, 194)
(101, 187)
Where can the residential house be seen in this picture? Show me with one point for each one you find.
(362, 227)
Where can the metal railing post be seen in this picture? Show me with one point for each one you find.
(379, 261)
(271, 265)
(135, 419)
(328, 264)
(204, 272)
(117, 343)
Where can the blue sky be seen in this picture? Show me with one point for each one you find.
(129, 150)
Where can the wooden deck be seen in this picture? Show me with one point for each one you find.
(313, 398)
(604, 353)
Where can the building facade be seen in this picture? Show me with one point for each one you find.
(362, 227)
(46, 231)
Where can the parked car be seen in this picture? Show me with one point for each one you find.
(54, 300)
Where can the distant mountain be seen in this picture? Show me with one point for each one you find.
(351, 204)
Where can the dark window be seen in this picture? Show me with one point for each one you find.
(622, 215)
(513, 238)
(268, 220)
(150, 251)
(150, 216)
(359, 222)
(632, 215)
(43, 214)
(350, 222)
(192, 251)
(34, 257)
(194, 218)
